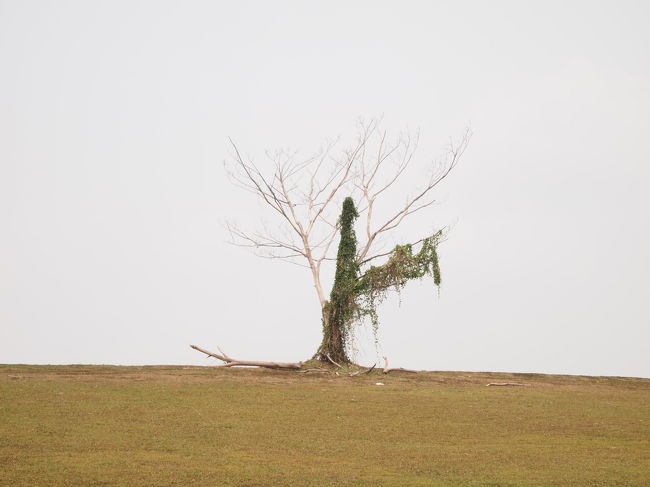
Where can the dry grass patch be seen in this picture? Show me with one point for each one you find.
(168, 426)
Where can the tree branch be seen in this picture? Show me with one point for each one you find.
(454, 153)
(231, 362)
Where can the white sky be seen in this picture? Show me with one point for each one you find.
(114, 118)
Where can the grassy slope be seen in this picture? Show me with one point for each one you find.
(163, 426)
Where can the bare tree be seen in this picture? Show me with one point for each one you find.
(306, 195)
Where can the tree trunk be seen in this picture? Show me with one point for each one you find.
(339, 312)
(332, 348)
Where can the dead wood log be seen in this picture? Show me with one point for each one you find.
(388, 369)
(231, 362)
(511, 384)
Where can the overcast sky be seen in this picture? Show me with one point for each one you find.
(114, 125)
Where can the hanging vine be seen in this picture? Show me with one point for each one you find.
(402, 266)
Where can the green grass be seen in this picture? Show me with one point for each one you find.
(164, 426)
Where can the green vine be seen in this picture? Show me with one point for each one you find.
(341, 310)
(356, 295)
(402, 266)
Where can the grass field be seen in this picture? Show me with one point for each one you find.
(164, 426)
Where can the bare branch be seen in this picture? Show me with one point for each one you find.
(412, 206)
(230, 362)
(259, 241)
(330, 239)
(343, 172)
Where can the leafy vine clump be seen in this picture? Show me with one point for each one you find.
(402, 266)
(342, 310)
(356, 295)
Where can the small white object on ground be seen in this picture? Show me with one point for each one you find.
(379, 383)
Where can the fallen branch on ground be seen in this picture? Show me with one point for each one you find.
(231, 362)
(387, 369)
(513, 384)
(369, 370)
